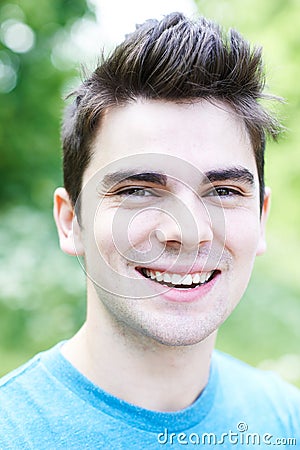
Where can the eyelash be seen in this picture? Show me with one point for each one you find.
(230, 192)
(138, 191)
(134, 191)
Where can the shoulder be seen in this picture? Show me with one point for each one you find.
(16, 394)
(247, 378)
(19, 376)
(263, 391)
(25, 394)
(22, 384)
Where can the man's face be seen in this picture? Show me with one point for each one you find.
(170, 219)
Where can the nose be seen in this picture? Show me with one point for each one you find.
(186, 222)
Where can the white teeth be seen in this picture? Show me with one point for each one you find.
(167, 278)
(177, 279)
(187, 280)
(159, 276)
(208, 275)
(203, 277)
(196, 278)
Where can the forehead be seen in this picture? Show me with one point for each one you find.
(205, 135)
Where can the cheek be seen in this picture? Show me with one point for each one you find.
(103, 231)
(242, 235)
(117, 233)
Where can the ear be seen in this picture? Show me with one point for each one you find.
(67, 225)
(262, 245)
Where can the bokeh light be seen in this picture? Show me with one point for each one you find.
(17, 36)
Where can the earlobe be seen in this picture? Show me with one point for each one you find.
(262, 245)
(67, 225)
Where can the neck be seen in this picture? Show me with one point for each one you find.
(137, 369)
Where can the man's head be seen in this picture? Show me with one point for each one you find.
(163, 147)
(176, 60)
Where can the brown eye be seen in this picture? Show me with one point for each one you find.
(223, 192)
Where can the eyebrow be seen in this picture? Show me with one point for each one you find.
(231, 173)
(114, 178)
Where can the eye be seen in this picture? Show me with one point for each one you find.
(134, 192)
(223, 192)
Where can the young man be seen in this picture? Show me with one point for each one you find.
(165, 202)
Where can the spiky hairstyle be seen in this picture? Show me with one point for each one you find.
(174, 59)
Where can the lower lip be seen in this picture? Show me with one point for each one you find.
(185, 295)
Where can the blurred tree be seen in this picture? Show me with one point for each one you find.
(40, 289)
(31, 97)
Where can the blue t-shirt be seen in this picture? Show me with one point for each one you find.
(47, 404)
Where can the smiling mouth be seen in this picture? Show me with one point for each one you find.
(179, 281)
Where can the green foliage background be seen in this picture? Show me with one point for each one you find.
(42, 292)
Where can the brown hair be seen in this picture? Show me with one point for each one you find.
(174, 59)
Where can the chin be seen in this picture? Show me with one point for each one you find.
(182, 335)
